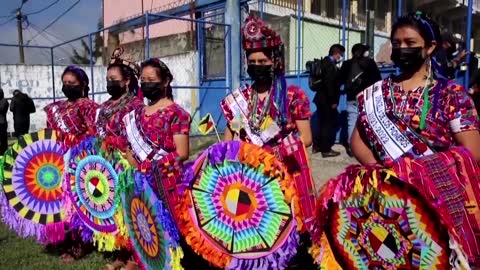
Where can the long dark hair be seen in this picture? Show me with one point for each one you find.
(127, 74)
(163, 72)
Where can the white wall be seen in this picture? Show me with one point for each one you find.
(37, 81)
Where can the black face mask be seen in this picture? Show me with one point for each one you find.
(260, 73)
(72, 92)
(408, 59)
(153, 90)
(115, 89)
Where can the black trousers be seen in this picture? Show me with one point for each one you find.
(3, 138)
(325, 139)
(21, 128)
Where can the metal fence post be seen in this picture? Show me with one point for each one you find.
(262, 8)
(468, 42)
(228, 60)
(201, 51)
(53, 73)
(344, 25)
(147, 35)
(399, 8)
(299, 39)
(232, 17)
(90, 41)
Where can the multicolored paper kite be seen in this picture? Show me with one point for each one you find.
(206, 124)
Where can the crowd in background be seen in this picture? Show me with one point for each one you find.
(332, 76)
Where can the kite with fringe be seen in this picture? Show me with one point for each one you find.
(154, 236)
(31, 187)
(238, 208)
(92, 202)
(369, 218)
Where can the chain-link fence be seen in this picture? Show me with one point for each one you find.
(195, 50)
(309, 27)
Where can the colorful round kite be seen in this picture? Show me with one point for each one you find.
(240, 204)
(92, 181)
(31, 202)
(384, 223)
(152, 231)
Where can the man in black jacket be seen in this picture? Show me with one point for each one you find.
(357, 74)
(21, 107)
(3, 123)
(326, 99)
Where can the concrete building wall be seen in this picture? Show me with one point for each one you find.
(37, 81)
(317, 39)
(116, 11)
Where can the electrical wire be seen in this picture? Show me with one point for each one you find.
(43, 9)
(7, 21)
(41, 50)
(54, 21)
(37, 29)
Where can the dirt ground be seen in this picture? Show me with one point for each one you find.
(322, 168)
(326, 168)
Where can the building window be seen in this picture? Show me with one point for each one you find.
(327, 8)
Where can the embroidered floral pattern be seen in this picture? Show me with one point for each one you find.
(72, 118)
(298, 104)
(111, 113)
(455, 112)
(159, 128)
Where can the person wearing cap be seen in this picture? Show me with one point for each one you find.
(356, 74)
(74, 118)
(272, 114)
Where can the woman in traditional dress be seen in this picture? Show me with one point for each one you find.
(273, 115)
(122, 86)
(74, 120)
(158, 137)
(410, 125)
(162, 125)
(437, 112)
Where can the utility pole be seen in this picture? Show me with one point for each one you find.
(20, 35)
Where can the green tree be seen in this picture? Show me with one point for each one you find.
(82, 57)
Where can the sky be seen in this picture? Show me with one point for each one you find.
(79, 21)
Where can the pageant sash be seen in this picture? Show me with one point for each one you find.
(142, 149)
(100, 129)
(239, 106)
(393, 140)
